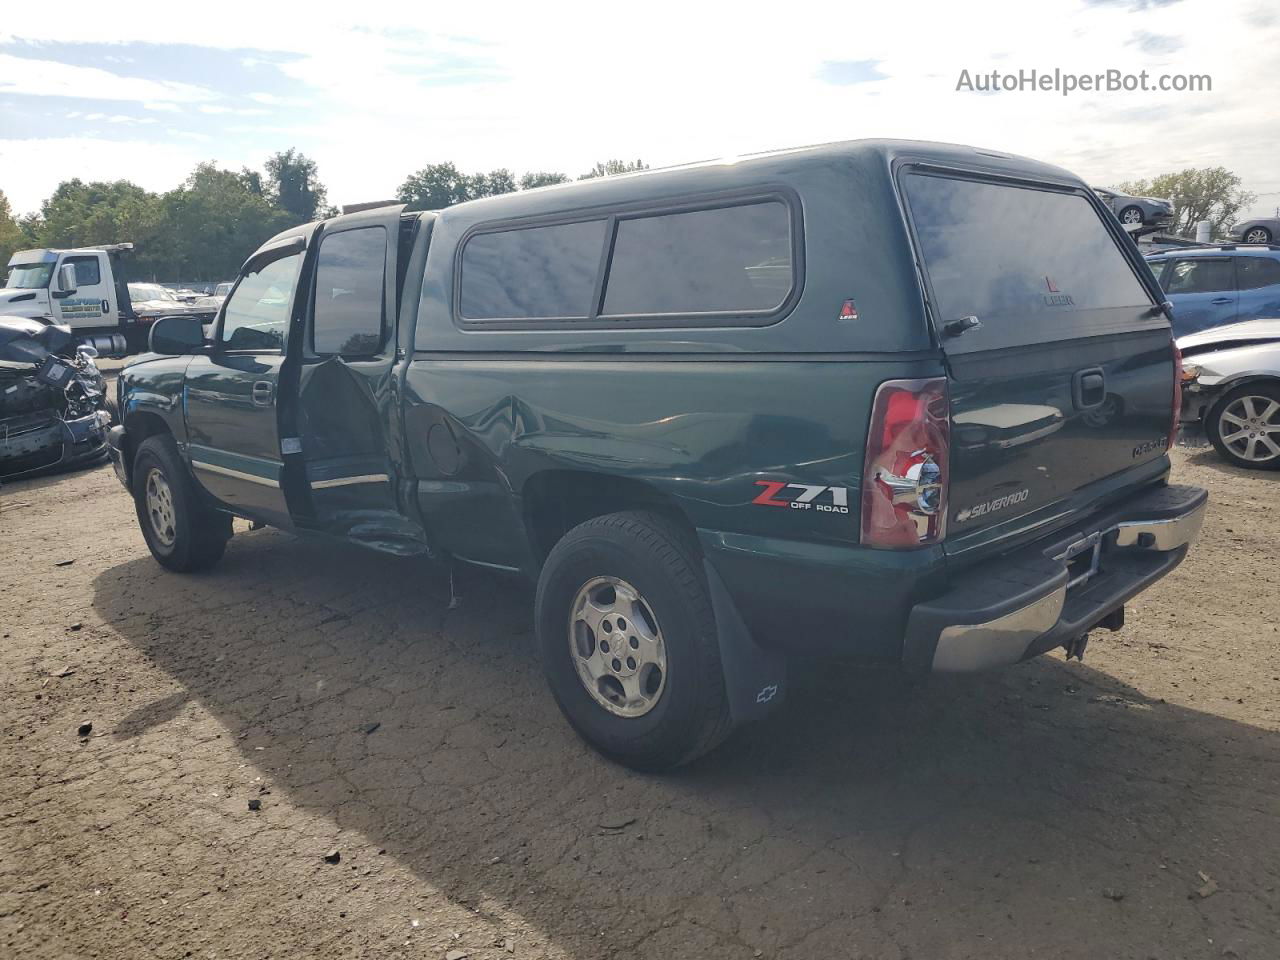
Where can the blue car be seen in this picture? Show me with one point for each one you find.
(1214, 285)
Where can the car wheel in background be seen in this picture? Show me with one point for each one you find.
(183, 533)
(1131, 215)
(1244, 426)
(628, 641)
(1257, 235)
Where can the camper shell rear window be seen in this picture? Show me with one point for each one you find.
(1032, 263)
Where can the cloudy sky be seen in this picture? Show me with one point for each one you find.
(373, 91)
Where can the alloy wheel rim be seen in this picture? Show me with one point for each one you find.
(617, 647)
(1250, 428)
(1133, 216)
(1255, 236)
(160, 510)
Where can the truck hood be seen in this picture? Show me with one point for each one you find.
(19, 295)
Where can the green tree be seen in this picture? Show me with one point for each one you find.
(79, 214)
(541, 178)
(211, 224)
(11, 235)
(292, 184)
(440, 185)
(1198, 193)
(610, 167)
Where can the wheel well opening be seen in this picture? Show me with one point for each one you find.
(138, 427)
(556, 501)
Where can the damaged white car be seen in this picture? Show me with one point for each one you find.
(1231, 385)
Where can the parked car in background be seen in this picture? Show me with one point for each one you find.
(1137, 211)
(53, 407)
(1258, 230)
(716, 426)
(1231, 385)
(217, 294)
(1218, 284)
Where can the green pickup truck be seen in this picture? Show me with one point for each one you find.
(900, 403)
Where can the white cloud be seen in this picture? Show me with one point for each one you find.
(161, 106)
(51, 78)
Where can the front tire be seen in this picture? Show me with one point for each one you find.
(1244, 426)
(1131, 215)
(182, 533)
(628, 641)
(1257, 235)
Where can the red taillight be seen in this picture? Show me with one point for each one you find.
(904, 475)
(1177, 397)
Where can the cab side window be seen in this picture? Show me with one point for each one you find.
(1257, 272)
(1202, 275)
(88, 274)
(256, 315)
(347, 318)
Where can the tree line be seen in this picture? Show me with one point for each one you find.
(204, 228)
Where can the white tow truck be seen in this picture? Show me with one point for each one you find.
(85, 289)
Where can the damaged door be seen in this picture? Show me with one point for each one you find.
(346, 385)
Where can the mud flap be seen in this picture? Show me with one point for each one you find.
(754, 678)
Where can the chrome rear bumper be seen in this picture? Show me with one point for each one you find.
(1048, 595)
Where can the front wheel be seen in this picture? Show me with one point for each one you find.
(1244, 426)
(1257, 235)
(1131, 215)
(628, 641)
(182, 533)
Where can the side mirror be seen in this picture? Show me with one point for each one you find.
(177, 336)
(66, 280)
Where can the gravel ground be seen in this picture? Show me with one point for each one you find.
(1126, 807)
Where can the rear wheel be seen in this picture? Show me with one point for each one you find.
(1257, 235)
(182, 533)
(1244, 426)
(628, 641)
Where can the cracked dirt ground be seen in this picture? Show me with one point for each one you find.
(1127, 807)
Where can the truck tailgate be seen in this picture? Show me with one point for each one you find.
(1061, 365)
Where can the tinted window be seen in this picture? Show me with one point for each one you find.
(1257, 272)
(87, 272)
(730, 260)
(257, 314)
(1028, 263)
(1205, 275)
(350, 283)
(536, 272)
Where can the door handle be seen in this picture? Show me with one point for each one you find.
(1220, 300)
(263, 392)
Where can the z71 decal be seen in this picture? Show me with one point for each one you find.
(807, 497)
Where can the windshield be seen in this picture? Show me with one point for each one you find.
(222, 289)
(30, 276)
(149, 291)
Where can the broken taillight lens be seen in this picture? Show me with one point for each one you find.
(905, 473)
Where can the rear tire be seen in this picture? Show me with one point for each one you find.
(182, 532)
(637, 576)
(1245, 423)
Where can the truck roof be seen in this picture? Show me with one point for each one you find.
(49, 254)
(708, 174)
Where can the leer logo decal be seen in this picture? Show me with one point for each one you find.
(808, 498)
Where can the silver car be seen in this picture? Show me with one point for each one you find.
(1231, 384)
(1137, 211)
(1257, 230)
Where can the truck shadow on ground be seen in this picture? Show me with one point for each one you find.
(1047, 809)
